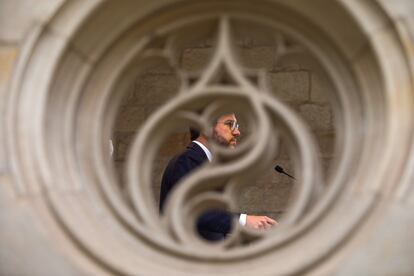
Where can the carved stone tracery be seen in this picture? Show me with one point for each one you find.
(63, 159)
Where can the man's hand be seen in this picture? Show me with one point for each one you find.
(260, 222)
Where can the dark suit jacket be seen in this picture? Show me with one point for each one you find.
(213, 224)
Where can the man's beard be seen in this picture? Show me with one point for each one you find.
(221, 140)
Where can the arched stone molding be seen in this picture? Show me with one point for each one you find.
(64, 96)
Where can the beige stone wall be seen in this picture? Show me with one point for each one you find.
(294, 77)
(25, 239)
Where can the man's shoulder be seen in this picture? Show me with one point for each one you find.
(193, 153)
(186, 161)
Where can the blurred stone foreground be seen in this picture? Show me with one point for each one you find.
(54, 219)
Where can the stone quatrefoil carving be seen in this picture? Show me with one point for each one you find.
(196, 194)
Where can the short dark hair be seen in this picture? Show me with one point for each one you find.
(194, 133)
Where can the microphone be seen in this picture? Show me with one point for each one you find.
(279, 169)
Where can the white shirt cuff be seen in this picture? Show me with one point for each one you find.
(243, 219)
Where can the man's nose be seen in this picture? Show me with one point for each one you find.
(236, 132)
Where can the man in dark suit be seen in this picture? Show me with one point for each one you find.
(213, 225)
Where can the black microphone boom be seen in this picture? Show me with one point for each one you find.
(279, 169)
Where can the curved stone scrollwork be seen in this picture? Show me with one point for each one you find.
(74, 71)
(263, 110)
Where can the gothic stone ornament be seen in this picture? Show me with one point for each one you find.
(66, 89)
(193, 193)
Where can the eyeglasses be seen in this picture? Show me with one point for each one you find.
(233, 125)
